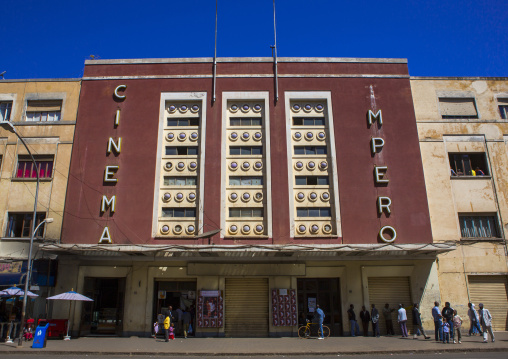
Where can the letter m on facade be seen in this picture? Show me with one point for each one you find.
(373, 117)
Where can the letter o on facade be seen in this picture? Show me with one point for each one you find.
(386, 229)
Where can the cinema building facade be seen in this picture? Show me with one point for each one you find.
(247, 196)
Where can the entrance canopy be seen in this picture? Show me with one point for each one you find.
(290, 251)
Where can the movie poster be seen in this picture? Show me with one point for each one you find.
(210, 309)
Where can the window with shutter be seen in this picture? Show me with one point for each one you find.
(457, 107)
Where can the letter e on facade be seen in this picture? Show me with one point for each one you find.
(109, 172)
(379, 173)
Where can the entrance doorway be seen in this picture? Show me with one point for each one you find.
(326, 293)
(103, 316)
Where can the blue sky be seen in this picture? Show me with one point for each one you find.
(52, 38)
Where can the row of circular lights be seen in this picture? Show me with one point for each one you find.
(314, 229)
(246, 229)
(246, 165)
(311, 165)
(182, 136)
(309, 136)
(246, 197)
(245, 108)
(183, 108)
(233, 136)
(179, 197)
(180, 166)
(313, 196)
(308, 107)
(178, 229)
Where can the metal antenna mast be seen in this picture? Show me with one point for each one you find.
(274, 54)
(215, 56)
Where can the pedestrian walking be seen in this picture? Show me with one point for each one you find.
(178, 321)
(374, 316)
(172, 331)
(155, 329)
(365, 317)
(474, 319)
(417, 322)
(186, 319)
(447, 314)
(387, 315)
(353, 324)
(486, 323)
(446, 331)
(320, 317)
(167, 323)
(402, 319)
(438, 324)
(457, 324)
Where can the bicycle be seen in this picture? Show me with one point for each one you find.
(305, 331)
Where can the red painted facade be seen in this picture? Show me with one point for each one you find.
(351, 100)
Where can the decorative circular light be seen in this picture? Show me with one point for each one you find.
(182, 136)
(258, 229)
(170, 136)
(321, 136)
(323, 165)
(299, 165)
(179, 197)
(300, 196)
(190, 229)
(325, 196)
(297, 136)
(233, 229)
(177, 229)
(245, 136)
(258, 197)
(233, 197)
(183, 108)
(191, 197)
(233, 166)
(314, 228)
(313, 196)
(327, 228)
(165, 229)
(309, 135)
(233, 108)
(296, 107)
(319, 107)
(168, 166)
(246, 197)
(246, 229)
(307, 108)
(257, 136)
(245, 108)
(311, 165)
(301, 229)
(166, 197)
(233, 136)
(194, 136)
(195, 108)
(258, 165)
(180, 166)
(172, 108)
(246, 165)
(193, 165)
(257, 108)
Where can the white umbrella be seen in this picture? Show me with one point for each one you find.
(72, 295)
(16, 292)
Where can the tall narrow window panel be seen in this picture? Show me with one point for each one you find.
(19, 225)
(26, 167)
(5, 110)
(503, 110)
(479, 226)
(43, 111)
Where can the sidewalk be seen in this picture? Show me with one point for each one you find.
(257, 346)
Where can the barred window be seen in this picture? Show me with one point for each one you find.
(26, 167)
(485, 226)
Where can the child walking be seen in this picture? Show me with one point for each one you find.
(446, 331)
(457, 323)
(155, 329)
(171, 331)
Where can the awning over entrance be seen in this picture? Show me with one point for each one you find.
(300, 251)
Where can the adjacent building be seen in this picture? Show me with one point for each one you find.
(43, 112)
(245, 196)
(462, 127)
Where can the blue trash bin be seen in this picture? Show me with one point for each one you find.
(41, 337)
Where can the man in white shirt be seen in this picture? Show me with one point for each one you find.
(402, 319)
(486, 323)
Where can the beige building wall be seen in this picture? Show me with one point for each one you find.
(53, 138)
(449, 196)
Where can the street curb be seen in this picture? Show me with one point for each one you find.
(190, 354)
